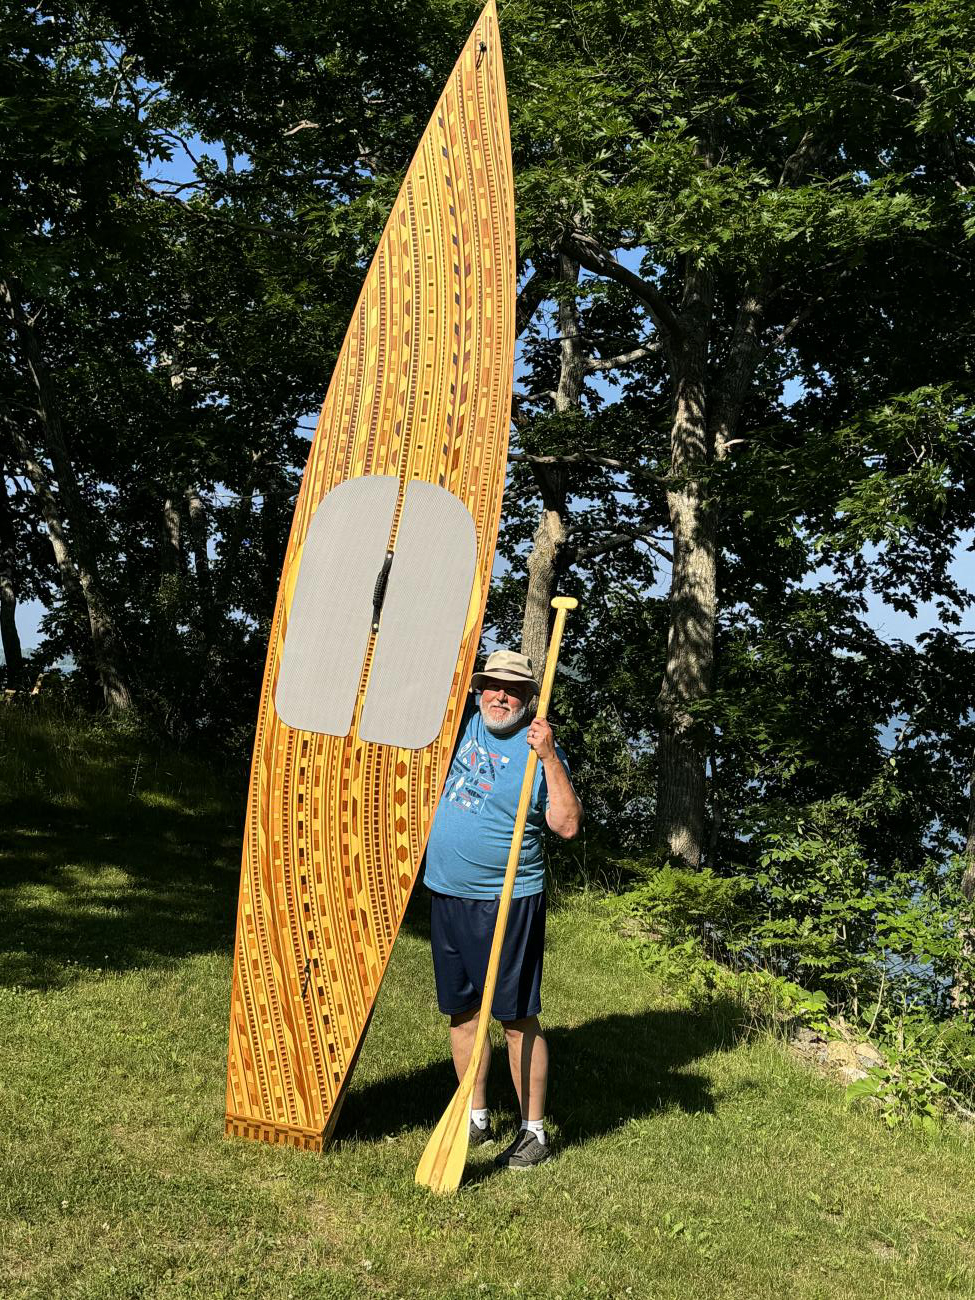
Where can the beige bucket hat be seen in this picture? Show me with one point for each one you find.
(506, 666)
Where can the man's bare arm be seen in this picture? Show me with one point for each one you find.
(564, 811)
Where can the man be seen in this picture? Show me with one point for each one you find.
(465, 863)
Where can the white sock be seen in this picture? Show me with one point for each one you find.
(536, 1126)
(480, 1117)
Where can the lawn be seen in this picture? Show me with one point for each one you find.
(693, 1160)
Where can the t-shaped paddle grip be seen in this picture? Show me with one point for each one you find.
(561, 605)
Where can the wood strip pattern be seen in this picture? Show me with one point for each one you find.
(336, 827)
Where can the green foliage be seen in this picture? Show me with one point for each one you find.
(928, 1071)
(808, 1008)
(676, 904)
(189, 267)
(854, 926)
(773, 146)
(904, 1091)
(815, 912)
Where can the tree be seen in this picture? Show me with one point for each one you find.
(774, 210)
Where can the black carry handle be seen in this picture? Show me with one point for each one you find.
(379, 591)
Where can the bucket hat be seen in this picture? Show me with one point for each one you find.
(506, 666)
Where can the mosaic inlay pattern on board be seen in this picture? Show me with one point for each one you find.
(336, 826)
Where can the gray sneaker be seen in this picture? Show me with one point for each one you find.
(480, 1137)
(524, 1153)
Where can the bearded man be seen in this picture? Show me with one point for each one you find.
(465, 864)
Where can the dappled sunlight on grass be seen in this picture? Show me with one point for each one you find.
(49, 753)
(157, 799)
(115, 854)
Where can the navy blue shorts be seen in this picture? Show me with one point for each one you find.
(461, 931)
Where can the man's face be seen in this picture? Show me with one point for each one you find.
(503, 704)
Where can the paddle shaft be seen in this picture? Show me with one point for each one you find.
(514, 853)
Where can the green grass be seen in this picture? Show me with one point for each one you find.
(692, 1161)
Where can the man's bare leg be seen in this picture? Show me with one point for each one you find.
(528, 1058)
(463, 1028)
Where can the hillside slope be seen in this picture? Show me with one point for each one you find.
(692, 1161)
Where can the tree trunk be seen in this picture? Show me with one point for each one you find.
(687, 677)
(171, 568)
(963, 993)
(9, 637)
(80, 553)
(51, 517)
(699, 437)
(199, 536)
(543, 563)
(679, 828)
(274, 538)
(552, 481)
(172, 539)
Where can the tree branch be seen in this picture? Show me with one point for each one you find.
(798, 318)
(574, 458)
(615, 542)
(589, 253)
(174, 187)
(530, 298)
(592, 458)
(739, 369)
(174, 136)
(596, 364)
(215, 214)
(796, 163)
(519, 399)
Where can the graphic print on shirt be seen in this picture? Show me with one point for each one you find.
(472, 775)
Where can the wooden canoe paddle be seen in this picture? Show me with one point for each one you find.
(442, 1163)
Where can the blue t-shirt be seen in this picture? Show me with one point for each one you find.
(471, 835)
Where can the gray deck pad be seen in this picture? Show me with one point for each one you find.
(423, 619)
(331, 612)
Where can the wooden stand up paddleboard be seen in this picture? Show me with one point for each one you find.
(378, 617)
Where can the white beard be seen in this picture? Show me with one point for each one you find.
(501, 726)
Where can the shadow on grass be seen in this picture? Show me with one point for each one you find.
(604, 1072)
(112, 888)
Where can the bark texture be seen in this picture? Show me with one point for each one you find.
(543, 563)
(687, 675)
(172, 567)
(199, 531)
(9, 636)
(172, 538)
(65, 517)
(706, 416)
(963, 994)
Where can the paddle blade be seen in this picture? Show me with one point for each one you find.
(441, 1166)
